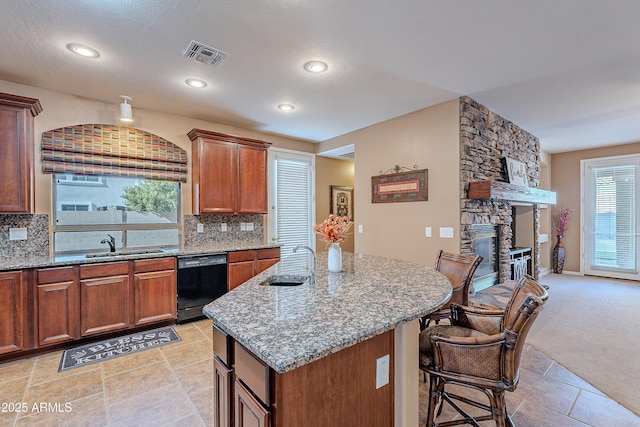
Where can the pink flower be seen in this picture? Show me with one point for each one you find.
(561, 220)
(333, 229)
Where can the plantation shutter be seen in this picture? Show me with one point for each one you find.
(612, 217)
(95, 149)
(292, 201)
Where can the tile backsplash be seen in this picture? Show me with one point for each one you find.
(212, 233)
(37, 243)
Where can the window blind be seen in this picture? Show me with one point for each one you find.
(293, 201)
(615, 217)
(98, 149)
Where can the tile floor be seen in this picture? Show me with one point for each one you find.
(173, 386)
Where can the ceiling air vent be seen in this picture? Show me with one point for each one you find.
(204, 54)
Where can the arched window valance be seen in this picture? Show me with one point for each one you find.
(94, 149)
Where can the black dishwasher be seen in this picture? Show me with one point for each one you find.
(201, 279)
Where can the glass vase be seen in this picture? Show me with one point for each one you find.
(334, 258)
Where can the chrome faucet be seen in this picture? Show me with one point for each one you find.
(111, 241)
(315, 261)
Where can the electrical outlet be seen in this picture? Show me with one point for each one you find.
(223, 226)
(249, 226)
(446, 232)
(427, 232)
(17, 234)
(360, 229)
(382, 371)
(200, 228)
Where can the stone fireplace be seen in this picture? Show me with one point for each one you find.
(485, 138)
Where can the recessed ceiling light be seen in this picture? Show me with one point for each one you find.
(196, 83)
(286, 107)
(81, 50)
(316, 66)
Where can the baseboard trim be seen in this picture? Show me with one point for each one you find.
(572, 273)
(544, 272)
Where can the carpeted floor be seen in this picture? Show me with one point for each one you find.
(589, 325)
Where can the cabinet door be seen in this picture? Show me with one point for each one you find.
(104, 304)
(155, 296)
(215, 172)
(252, 179)
(239, 272)
(16, 153)
(12, 312)
(222, 380)
(248, 411)
(57, 312)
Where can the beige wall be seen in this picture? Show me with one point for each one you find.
(428, 138)
(545, 213)
(60, 109)
(565, 180)
(331, 172)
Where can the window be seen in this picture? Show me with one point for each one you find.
(610, 212)
(138, 212)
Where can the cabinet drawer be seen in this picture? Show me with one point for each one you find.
(222, 345)
(252, 372)
(55, 275)
(269, 253)
(241, 256)
(104, 270)
(160, 264)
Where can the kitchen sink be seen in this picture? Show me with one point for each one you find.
(285, 280)
(120, 253)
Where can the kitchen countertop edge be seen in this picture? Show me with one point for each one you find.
(21, 263)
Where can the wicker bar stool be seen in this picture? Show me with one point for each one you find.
(481, 349)
(459, 270)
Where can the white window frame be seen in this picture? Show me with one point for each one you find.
(585, 180)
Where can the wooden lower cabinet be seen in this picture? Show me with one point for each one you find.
(243, 265)
(248, 410)
(339, 389)
(57, 306)
(104, 298)
(12, 311)
(222, 380)
(155, 290)
(92, 299)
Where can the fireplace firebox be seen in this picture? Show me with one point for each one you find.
(485, 243)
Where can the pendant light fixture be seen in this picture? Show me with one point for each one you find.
(125, 109)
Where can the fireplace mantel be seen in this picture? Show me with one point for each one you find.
(498, 190)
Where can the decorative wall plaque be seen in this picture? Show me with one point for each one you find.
(409, 186)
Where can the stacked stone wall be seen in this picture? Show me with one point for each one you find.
(485, 138)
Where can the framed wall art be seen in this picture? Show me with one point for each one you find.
(410, 186)
(341, 201)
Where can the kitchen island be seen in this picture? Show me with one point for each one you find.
(338, 351)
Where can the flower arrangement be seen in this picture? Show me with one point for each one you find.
(334, 229)
(561, 220)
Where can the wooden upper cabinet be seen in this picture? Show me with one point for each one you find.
(252, 179)
(16, 152)
(229, 173)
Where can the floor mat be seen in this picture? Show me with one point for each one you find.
(116, 347)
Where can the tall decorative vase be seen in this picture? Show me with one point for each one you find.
(334, 258)
(559, 253)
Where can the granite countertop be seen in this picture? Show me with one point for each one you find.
(61, 260)
(288, 327)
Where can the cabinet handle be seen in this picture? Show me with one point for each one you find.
(274, 239)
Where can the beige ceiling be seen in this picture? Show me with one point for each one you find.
(567, 71)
